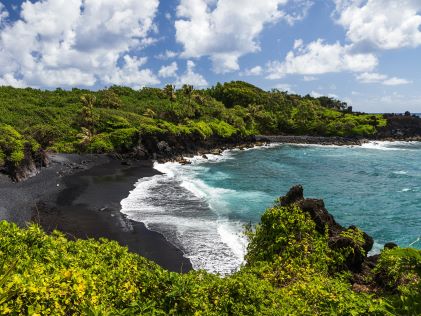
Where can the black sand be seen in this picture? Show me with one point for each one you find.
(80, 195)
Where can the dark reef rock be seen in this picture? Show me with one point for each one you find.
(295, 194)
(324, 220)
(390, 245)
(164, 147)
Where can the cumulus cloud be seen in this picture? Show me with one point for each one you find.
(316, 94)
(225, 30)
(78, 42)
(190, 77)
(382, 24)
(319, 58)
(131, 74)
(168, 54)
(3, 13)
(168, 71)
(254, 71)
(285, 87)
(374, 77)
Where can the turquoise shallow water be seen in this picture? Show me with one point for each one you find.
(201, 208)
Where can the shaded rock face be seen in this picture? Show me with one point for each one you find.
(163, 147)
(322, 218)
(401, 127)
(29, 166)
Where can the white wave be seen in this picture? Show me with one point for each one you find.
(392, 145)
(232, 235)
(319, 145)
(190, 214)
(401, 172)
(225, 155)
(377, 248)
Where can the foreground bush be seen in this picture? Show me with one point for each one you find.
(290, 270)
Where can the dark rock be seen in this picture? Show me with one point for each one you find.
(140, 152)
(324, 220)
(183, 161)
(368, 240)
(27, 167)
(319, 214)
(400, 127)
(125, 163)
(204, 156)
(355, 258)
(216, 151)
(163, 147)
(371, 261)
(295, 194)
(390, 245)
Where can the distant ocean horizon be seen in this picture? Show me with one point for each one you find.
(202, 208)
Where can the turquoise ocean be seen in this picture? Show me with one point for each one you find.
(202, 208)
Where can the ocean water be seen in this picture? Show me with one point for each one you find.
(202, 207)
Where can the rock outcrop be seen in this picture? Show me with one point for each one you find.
(29, 166)
(400, 127)
(338, 239)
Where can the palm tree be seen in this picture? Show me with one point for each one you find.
(88, 116)
(188, 92)
(169, 91)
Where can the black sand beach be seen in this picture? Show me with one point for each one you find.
(80, 195)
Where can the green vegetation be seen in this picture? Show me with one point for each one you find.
(106, 120)
(13, 145)
(290, 270)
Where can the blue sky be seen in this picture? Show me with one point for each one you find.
(365, 52)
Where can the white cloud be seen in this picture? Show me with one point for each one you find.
(168, 54)
(78, 42)
(387, 103)
(384, 24)
(394, 81)
(131, 74)
(309, 78)
(319, 58)
(316, 94)
(191, 77)
(374, 77)
(168, 71)
(10, 80)
(225, 30)
(285, 87)
(3, 13)
(255, 71)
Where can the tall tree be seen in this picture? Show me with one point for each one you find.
(169, 91)
(88, 116)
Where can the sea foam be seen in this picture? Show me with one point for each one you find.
(190, 214)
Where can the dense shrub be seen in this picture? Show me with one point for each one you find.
(100, 143)
(288, 272)
(124, 139)
(13, 145)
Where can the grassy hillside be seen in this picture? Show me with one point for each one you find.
(290, 270)
(112, 120)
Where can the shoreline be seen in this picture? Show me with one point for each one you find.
(330, 140)
(80, 196)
